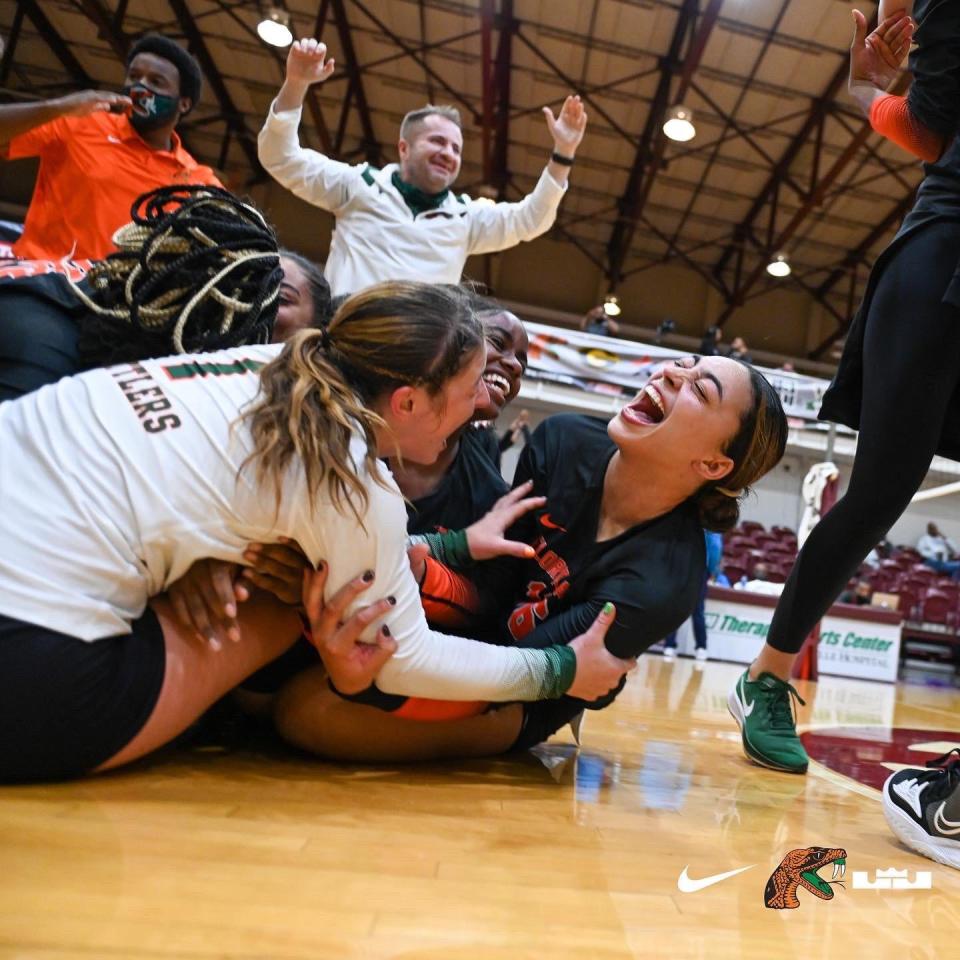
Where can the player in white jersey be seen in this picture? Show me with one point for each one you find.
(114, 482)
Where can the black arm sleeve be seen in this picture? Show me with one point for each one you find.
(934, 97)
(635, 629)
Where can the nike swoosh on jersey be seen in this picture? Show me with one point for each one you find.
(547, 522)
(747, 707)
(944, 825)
(686, 885)
(113, 139)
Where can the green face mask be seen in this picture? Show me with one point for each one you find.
(150, 109)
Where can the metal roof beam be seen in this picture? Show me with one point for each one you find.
(51, 36)
(372, 149)
(228, 108)
(650, 149)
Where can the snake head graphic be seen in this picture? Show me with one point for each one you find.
(799, 869)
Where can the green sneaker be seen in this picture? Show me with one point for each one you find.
(763, 709)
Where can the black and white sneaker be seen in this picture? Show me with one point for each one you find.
(922, 806)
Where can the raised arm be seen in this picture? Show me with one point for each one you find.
(309, 174)
(927, 119)
(502, 225)
(17, 119)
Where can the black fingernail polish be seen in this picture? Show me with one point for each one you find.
(392, 601)
(386, 630)
(320, 566)
(368, 576)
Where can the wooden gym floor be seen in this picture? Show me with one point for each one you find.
(257, 853)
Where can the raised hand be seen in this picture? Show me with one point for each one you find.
(875, 58)
(598, 670)
(485, 538)
(568, 128)
(307, 62)
(351, 663)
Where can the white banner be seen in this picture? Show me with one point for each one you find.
(620, 367)
(849, 647)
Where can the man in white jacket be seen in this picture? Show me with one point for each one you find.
(403, 222)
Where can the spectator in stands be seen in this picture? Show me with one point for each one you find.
(860, 595)
(598, 322)
(739, 350)
(304, 297)
(404, 222)
(714, 544)
(710, 344)
(517, 431)
(880, 552)
(939, 552)
(99, 151)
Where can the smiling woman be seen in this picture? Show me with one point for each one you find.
(616, 520)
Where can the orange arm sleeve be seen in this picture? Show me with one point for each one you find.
(449, 599)
(890, 116)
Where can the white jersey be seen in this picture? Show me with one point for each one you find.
(377, 236)
(114, 482)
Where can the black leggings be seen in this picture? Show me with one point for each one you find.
(911, 368)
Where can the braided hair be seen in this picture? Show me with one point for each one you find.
(197, 269)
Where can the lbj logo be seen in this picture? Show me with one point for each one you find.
(892, 879)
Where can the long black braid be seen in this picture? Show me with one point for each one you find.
(197, 269)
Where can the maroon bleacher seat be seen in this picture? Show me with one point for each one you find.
(752, 526)
(909, 603)
(939, 608)
(734, 572)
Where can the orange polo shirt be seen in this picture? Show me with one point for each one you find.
(91, 170)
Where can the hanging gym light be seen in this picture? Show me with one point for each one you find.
(274, 26)
(679, 124)
(779, 266)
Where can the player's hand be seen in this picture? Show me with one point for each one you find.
(567, 129)
(205, 600)
(485, 538)
(307, 63)
(351, 663)
(875, 59)
(277, 568)
(598, 670)
(417, 555)
(85, 102)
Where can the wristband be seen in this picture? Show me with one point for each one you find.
(449, 547)
(562, 668)
(561, 159)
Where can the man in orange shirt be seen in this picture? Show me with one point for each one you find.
(99, 151)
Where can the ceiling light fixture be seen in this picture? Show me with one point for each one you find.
(611, 306)
(679, 124)
(274, 27)
(779, 266)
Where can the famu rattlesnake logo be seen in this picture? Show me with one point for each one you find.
(798, 869)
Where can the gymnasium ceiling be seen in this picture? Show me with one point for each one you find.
(782, 160)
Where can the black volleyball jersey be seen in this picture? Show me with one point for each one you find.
(471, 486)
(651, 572)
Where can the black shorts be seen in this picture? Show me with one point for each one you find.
(66, 705)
